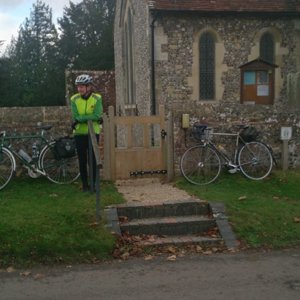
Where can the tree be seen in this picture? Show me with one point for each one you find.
(87, 35)
(34, 56)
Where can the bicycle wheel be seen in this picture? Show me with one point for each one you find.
(200, 165)
(255, 160)
(62, 171)
(7, 167)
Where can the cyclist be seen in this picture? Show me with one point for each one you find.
(85, 105)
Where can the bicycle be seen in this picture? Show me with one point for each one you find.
(45, 159)
(201, 164)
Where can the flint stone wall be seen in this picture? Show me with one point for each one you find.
(238, 43)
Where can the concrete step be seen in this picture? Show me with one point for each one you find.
(181, 240)
(174, 225)
(166, 209)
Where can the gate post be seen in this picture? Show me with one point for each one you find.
(106, 163)
(112, 143)
(170, 148)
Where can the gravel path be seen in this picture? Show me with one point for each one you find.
(152, 190)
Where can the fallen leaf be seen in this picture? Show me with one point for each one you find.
(123, 219)
(152, 239)
(199, 249)
(172, 258)
(38, 276)
(10, 270)
(297, 220)
(26, 273)
(94, 225)
(243, 198)
(172, 250)
(148, 257)
(125, 255)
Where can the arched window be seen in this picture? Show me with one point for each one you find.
(207, 66)
(266, 50)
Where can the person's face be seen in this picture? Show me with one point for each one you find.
(83, 89)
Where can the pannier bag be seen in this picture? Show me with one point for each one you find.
(199, 131)
(249, 134)
(65, 147)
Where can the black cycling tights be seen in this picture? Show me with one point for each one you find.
(82, 147)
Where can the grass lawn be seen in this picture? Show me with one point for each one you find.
(262, 213)
(45, 223)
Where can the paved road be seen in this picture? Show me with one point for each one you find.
(241, 276)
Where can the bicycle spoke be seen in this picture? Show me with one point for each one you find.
(255, 160)
(200, 165)
(59, 170)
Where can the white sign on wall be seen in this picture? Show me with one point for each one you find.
(286, 133)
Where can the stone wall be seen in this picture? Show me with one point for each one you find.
(25, 119)
(237, 42)
(141, 36)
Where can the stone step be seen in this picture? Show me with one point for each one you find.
(166, 209)
(182, 240)
(180, 222)
(174, 225)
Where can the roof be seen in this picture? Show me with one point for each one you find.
(259, 60)
(233, 6)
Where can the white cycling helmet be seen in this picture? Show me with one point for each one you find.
(83, 79)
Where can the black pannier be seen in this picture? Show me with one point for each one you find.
(65, 147)
(249, 134)
(199, 131)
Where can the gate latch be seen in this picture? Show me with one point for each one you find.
(163, 133)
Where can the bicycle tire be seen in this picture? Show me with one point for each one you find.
(61, 171)
(200, 165)
(255, 160)
(275, 163)
(7, 167)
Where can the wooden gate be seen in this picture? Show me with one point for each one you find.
(137, 146)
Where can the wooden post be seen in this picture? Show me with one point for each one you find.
(112, 142)
(106, 162)
(285, 136)
(285, 155)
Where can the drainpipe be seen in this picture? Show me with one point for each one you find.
(153, 86)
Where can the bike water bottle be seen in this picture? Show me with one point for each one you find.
(35, 152)
(24, 155)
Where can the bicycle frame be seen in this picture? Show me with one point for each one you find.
(228, 161)
(42, 143)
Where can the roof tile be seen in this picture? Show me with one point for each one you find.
(229, 5)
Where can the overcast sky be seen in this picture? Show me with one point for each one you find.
(14, 12)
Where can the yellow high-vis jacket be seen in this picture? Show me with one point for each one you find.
(84, 110)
